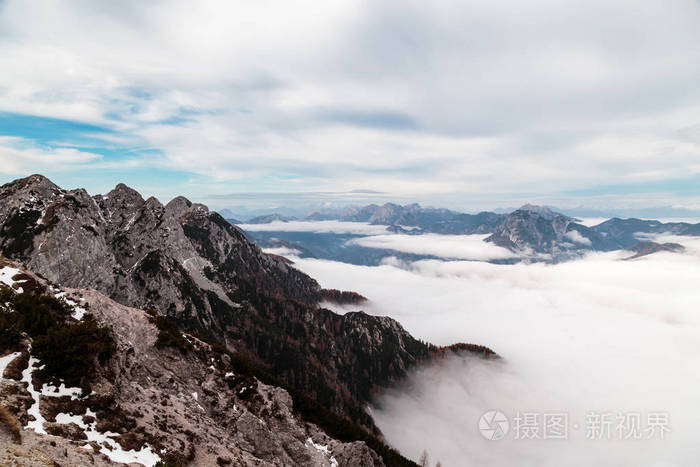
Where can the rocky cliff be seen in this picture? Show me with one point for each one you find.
(150, 400)
(188, 263)
(541, 231)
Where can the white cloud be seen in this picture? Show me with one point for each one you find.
(575, 236)
(597, 334)
(359, 228)
(592, 221)
(470, 247)
(282, 251)
(495, 99)
(18, 159)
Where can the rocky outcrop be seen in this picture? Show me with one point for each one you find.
(648, 248)
(542, 232)
(389, 214)
(190, 264)
(269, 219)
(625, 232)
(153, 402)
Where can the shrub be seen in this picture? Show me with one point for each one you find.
(69, 352)
(169, 334)
(39, 313)
(10, 335)
(28, 313)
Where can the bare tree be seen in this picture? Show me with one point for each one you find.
(424, 459)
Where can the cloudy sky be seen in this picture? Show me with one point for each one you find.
(470, 104)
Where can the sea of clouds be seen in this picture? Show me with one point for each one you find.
(338, 227)
(599, 335)
(471, 247)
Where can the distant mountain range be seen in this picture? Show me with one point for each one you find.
(246, 215)
(534, 231)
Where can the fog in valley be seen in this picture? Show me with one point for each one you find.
(599, 335)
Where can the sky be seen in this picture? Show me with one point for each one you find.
(595, 336)
(466, 104)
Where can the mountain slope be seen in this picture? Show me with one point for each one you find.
(532, 230)
(649, 248)
(185, 403)
(624, 232)
(190, 264)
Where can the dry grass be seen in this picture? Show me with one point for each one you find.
(11, 423)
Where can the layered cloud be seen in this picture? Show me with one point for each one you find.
(17, 158)
(576, 237)
(444, 100)
(596, 335)
(470, 247)
(338, 227)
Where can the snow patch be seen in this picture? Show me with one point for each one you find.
(319, 447)
(78, 311)
(325, 450)
(6, 275)
(108, 446)
(38, 423)
(61, 391)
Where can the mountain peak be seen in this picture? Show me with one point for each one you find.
(36, 182)
(125, 193)
(37, 179)
(178, 206)
(542, 211)
(535, 208)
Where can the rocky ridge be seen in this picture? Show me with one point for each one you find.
(646, 248)
(189, 264)
(153, 402)
(625, 233)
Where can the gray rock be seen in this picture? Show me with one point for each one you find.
(190, 264)
(191, 407)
